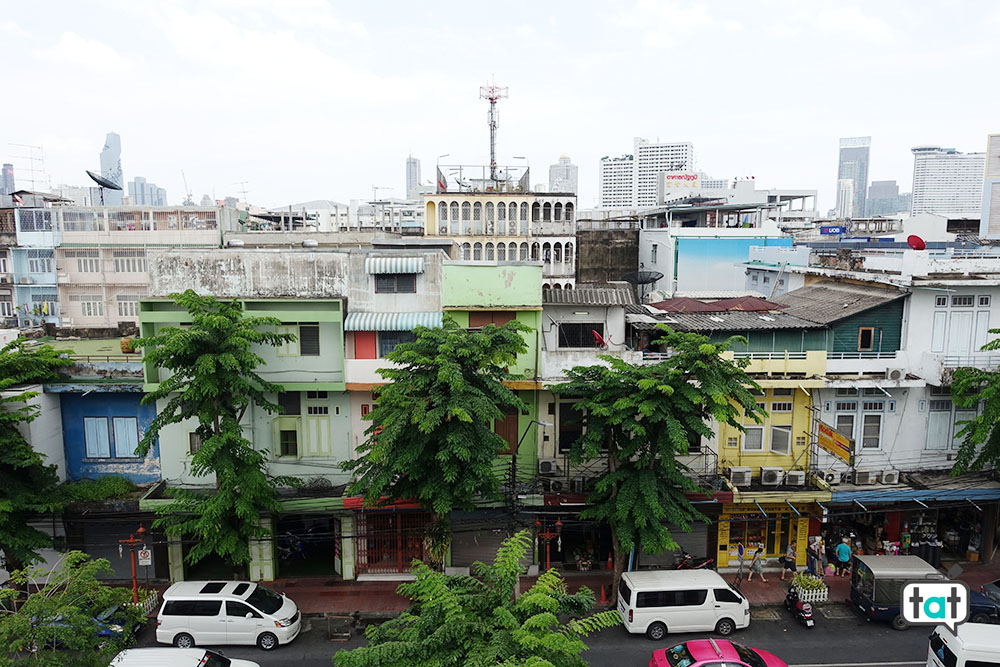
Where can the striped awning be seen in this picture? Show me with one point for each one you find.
(391, 321)
(394, 265)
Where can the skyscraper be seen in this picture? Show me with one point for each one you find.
(853, 165)
(845, 198)
(564, 175)
(143, 193)
(946, 181)
(631, 179)
(412, 178)
(111, 168)
(7, 179)
(884, 199)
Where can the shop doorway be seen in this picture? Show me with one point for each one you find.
(387, 542)
(771, 533)
(305, 545)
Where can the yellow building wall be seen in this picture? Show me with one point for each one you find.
(797, 421)
(746, 525)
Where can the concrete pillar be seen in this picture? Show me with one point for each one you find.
(347, 547)
(175, 559)
(262, 554)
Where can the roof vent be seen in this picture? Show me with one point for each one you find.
(310, 243)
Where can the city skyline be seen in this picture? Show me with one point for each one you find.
(352, 136)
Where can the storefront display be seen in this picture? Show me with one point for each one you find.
(767, 526)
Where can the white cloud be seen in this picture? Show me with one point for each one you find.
(12, 29)
(661, 22)
(72, 50)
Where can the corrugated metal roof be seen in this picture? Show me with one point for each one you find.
(394, 265)
(391, 321)
(734, 320)
(590, 296)
(828, 301)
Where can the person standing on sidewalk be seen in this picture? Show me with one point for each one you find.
(788, 561)
(844, 557)
(757, 566)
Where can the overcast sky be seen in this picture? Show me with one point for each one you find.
(307, 99)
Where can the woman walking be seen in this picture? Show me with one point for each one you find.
(757, 566)
(788, 561)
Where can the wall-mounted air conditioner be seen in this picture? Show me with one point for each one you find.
(830, 476)
(548, 467)
(771, 475)
(889, 477)
(795, 478)
(895, 374)
(740, 476)
(862, 477)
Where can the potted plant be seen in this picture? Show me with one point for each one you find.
(810, 588)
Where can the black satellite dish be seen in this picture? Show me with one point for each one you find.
(642, 279)
(103, 183)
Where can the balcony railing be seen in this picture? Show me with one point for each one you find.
(770, 355)
(861, 355)
(972, 360)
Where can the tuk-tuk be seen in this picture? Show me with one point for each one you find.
(877, 585)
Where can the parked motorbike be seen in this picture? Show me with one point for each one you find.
(686, 561)
(802, 611)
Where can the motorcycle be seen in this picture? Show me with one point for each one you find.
(802, 611)
(686, 561)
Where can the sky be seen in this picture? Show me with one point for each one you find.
(307, 99)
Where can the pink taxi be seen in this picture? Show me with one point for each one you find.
(713, 653)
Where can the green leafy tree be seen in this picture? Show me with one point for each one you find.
(28, 487)
(431, 438)
(477, 621)
(212, 378)
(980, 446)
(58, 624)
(641, 418)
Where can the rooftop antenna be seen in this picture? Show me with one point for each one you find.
(188, 197)
(493, 93)
(243, 191)
(376, 202)
(103, 183)
(36, 163)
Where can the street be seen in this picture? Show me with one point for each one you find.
(840, 639)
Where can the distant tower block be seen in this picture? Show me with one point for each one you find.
(493, 93)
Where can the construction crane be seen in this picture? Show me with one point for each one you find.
(493, 93)
(188, 198)
(243, 191)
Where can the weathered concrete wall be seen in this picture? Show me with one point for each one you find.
(492, 285)
(606, 255)
(250, 273)
(292, 240)
(363, 298)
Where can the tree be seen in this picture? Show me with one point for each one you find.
(58, 624)
(477, 621)
(213, 379)
(980, 446)
(641, 418)
(431, 437)
(28, 487)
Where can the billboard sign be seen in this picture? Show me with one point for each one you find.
(833, 229)
(835, 442)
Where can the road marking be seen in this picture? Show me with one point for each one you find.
(859, 664)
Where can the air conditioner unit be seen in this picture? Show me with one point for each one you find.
(556, 486)
(795, 478)
(862, 477)
(739, 476)
(889, 477)
(830, 476)
(4, 279)
(771, 475)
(442, 229)
(895, 374)
(26, 280)
(548, 467)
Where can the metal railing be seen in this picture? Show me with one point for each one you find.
(105, 358)
(861, 355)
(973, 360)
(770, 355)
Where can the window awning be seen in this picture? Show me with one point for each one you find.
(391, 321)
(378, 265)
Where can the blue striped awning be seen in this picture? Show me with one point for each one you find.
(391, 321)
(394, 265)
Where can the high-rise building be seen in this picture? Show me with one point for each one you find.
(412, 178)
(884, 199)
(564, 176)
(845, 198)
(111, 168)
(947, 182)
(631, 180)
(853, 165)
(7, 179)
(989, 223)
(143, 193)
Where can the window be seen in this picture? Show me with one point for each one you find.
(388, 340)
(128, 305)
(690, 598)
(240, 610)
(126, 436)
(95, 434)
(782, 391)
(91, 305)
(573, 334)
(781, 406)
(754, 278)
(732, 442)
(652, 255)
(940, 302)
(317, 410)
(938, 424)
(194, 443)
(506, 428)
(964, 301)
(87, 261)
(961, 416)
(845, 425)
(781, 438)
(317, 395)
(396, 283)
(6, 309)
(866, 338)
(129, 261)
(192, 607)
(570, 425)
(481, 318)
(290, 402)
(871, 432)
(847, 392)
(727, 595)
(984, 301)
(871, 391)
(309, 340)
(40, 261)
(873, 406)
(753, 439)
(767, 280)
(288, 441)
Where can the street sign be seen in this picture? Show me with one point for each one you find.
(145, 556)
(835, 229)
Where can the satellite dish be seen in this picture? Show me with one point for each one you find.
(915, 242)
(103, 182)
(642, 277)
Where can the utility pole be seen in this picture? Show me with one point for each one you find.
(493, 93)
(376, 202)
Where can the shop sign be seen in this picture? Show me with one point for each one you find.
(835, 442)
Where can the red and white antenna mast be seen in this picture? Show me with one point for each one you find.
(493, 93)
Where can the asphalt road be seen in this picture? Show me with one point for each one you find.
(844, 641)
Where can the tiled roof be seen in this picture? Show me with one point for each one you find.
(830, 301)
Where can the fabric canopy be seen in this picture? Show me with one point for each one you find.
(394, 265)
(391, 321)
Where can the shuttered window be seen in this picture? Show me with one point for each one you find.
(126, 437)
(309, 340)
(95, 433)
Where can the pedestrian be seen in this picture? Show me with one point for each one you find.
(812, 555)
(844, 557)
(757, 566)
(788, 561)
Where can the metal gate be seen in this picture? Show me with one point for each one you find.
(387, 543)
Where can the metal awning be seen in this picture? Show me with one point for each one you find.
(391, 321)
(394, 265)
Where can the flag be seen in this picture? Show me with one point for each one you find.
(45, 307)
(442, 182)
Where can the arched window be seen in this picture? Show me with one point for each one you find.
(466, 218)
(546, 286)
(442, 212)
(547, 212)
(546, 252)
(477, 218)
(569, 253)
(511, 252)
(557, 212)
(454, 210)
(569, 212)
(524, 252)
(536, 212)
(501, 252)
(534, 251)
(524, 218)
(489, 218)
(502, 215)
(477, 252)
(556, 286)
(557, 252)
(466, 252)
(489, 252)
(569, 285)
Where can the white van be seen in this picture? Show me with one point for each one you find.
(973, 645)
(656, 602)
(226, 612)
(176, 657)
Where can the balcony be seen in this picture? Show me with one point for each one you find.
(984, 360)
(811, 363)
(555, 363)
(364, 371)
(864, 362)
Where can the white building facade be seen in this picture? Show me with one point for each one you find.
(632, 180)
(947, 181)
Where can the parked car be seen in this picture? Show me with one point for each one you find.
(656, 602)
(176, 657)
(983, 609)
(699, 652)
(114, 623)
(992, 590)
(226, 612)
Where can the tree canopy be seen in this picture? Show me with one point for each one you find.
(28, 486)
(477, 621)
(980, 446)
(642, 418)
(212, 378)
